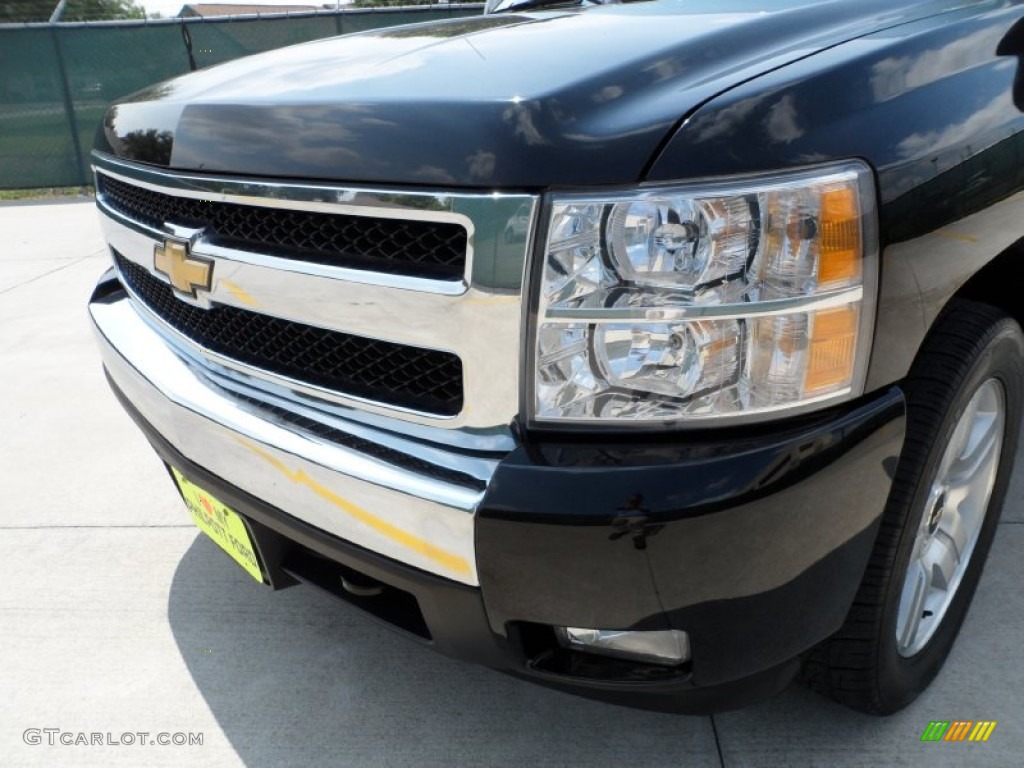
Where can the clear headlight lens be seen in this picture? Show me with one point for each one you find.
(723, 300)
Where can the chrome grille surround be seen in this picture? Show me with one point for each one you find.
(476, 316)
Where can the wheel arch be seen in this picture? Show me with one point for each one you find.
(998, 283)
(921, 280)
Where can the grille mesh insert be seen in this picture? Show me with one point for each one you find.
(396, 374)
(393, 246)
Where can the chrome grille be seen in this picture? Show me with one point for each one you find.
(375, 341)
(410, 377)
(396, 246)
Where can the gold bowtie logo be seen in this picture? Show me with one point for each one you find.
(186, 272)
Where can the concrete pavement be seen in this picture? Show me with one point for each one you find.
(117, 617)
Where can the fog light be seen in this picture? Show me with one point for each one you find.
(669, 647)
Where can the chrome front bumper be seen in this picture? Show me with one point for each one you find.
(401, 510)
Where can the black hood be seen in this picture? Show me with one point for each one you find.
(553, 98)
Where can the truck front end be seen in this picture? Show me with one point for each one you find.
(445, 350)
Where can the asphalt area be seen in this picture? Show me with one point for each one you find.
(118, 617)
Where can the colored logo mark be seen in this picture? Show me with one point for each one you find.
(187, 273)
(958, 730)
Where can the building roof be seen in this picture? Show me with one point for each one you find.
(233, 9)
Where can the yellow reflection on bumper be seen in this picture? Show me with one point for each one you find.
(448, 560)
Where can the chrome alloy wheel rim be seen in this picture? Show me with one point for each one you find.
(952, 519)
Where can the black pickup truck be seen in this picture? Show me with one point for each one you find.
(657, 351)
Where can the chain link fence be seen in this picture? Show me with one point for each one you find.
(56, 80)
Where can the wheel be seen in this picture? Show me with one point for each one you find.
(963, 415)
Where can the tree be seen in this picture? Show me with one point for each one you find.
(97, 10)
(382, 3)
(26, 10)
(75, 10)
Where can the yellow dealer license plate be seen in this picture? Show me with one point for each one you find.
(220, 523)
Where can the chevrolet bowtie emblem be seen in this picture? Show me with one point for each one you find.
(186, 272)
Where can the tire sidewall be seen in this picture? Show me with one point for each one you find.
(902, 678)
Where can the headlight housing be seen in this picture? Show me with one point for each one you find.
(723, 300)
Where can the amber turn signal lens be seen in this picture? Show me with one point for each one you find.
(831, 353)
(839, 244)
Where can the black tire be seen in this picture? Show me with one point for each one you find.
(861, 666)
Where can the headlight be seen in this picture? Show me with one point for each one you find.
(725, 300)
